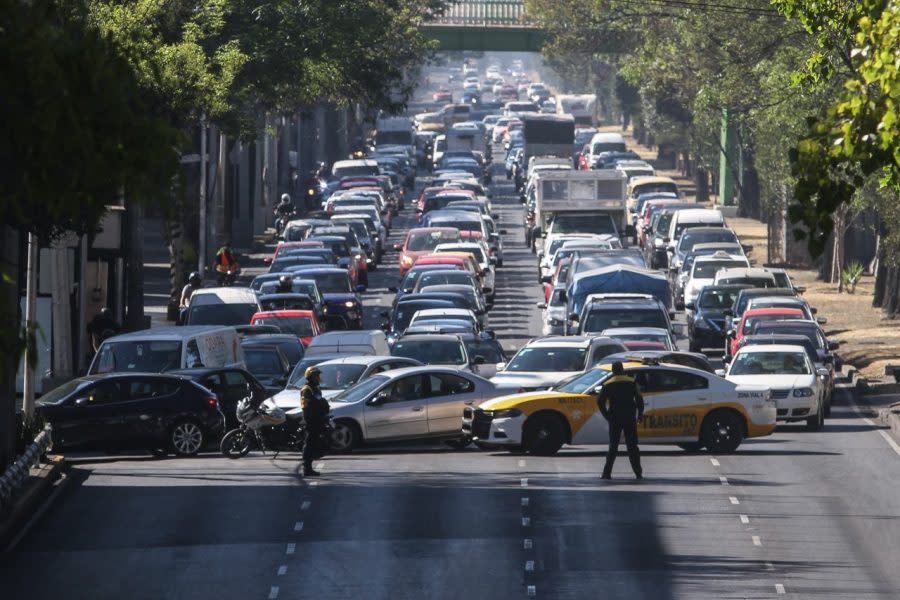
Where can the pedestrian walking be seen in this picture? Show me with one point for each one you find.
(315, 415)
(622, 405)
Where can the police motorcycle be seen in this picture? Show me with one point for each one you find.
(264, 427)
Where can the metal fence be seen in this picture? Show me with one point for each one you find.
(485, 13)
(14, 477)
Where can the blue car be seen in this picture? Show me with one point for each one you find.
(345, 310)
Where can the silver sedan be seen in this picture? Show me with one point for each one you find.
(406, 404)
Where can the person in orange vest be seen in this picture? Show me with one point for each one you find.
(226, 264)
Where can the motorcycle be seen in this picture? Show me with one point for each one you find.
(227, 276)
(282, 218)
(266, 427)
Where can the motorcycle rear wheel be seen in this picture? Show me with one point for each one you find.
(235, 444)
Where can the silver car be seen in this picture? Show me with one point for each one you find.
(339, 374)
(406, 404)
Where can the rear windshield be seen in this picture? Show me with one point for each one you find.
(297, 325)
(221, 314)
(332, 283)
(428, 240)
(139, 356)
(584, 224)
(599, 319)
(263, 361)
(717, 299)
(355, 171)
(431, 352)
(708, 269)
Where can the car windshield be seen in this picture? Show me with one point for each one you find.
(298, 325)
(338, 376)
(221, 314)
(475, 251)
(708, 269)
(263, 361)
(548, 359)
(444, 278)
(717, 299)
(58, 394)
(139, 356)
(299, 303)
(770, 363)
(490, 350)
(362, 390)
(582, 383)
(333, 283)
(431, 352)
(427, 240)
(439, 317)
(600, 223)
(689, 240)
(462, 225)
(599, 319)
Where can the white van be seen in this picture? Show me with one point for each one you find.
(605, 142)
(221, 306)
(693, 217)
(354, 168)
(167, 349)
(369, 343)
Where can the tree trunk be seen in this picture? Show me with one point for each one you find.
(10, 349)
(701, 180)
(892, 292)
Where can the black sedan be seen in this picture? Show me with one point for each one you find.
(229, 384)
(158, 412)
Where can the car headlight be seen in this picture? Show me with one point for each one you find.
(350, 303)
(407, 260)
(803, 392)
(506, 413)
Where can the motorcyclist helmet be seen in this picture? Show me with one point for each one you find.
(194, 278)
(285, 198)
(285, 282)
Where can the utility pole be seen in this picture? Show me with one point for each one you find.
(201, 251)
(135, 259)
(30, 324)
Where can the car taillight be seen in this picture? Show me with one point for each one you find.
(213, 402)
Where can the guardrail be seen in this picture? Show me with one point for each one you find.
(485, 13)
(15, 475)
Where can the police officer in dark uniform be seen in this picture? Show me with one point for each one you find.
(315, 414)
(622, 405)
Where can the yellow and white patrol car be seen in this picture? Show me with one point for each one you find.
(683, 406)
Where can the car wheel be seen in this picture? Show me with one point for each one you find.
(722, 431)
(345, 436)
(544, 435)
(235, 444)
(691, 446)
(817, 421)
(186, 438)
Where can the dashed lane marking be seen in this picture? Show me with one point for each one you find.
(282, 569)
(779, 589)
(521, 462)
(757, 541)
(733, 500)
(305, 505)
(532, 591)
(526, 521)
(529, 566)
(291, 548)
(298, 526)
(524, 482)
(723, 480)
(525, 501)
(745, 519)
(528, 544)
(273, 592)
(715, 462)
(769, 566)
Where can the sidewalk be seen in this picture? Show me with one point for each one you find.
(42, 481)
(869, 342)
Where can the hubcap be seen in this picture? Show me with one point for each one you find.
(340, 437)
(187, 438)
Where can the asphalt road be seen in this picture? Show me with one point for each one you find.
(799, 515)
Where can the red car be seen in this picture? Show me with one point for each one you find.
(282, 246)
(421, 241)
(302, 323)
(753, 316)
(442, 95)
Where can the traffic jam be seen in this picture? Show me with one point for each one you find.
(628, 269)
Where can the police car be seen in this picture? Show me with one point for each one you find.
(684, 406)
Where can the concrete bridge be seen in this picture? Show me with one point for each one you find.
(486, 25)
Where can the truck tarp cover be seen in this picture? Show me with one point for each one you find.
(619, 279)
(548, 129)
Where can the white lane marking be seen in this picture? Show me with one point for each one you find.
(757, 541)
(320, 466)
(715, 462)
(723, 480)
(769, 566)
(291, 548)
(532, 591)
(528, 544)
(779, 589)
(745, 519)
(893, 444)
(525, 501)
(526, 521)
(734, 500)
(314, 482)
(282, 569)
(305, 505)
(273, 592)
(298, 526)
(524, 482)
(521, 462)
(529, 566)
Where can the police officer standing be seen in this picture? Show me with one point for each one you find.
(622, 405)
(315, 414)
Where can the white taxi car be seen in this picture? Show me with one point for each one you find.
(684, 406)
(798, 387)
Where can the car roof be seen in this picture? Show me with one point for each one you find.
(448, 312)
(772, 348)
(229, 295)
(574, 341)
(283, 313)
(753, 312)
(633, 330)
(170, 332)
(755, 272)
(361, 360)
(269, 338)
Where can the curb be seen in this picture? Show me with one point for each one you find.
(32, 502)
(890, 416)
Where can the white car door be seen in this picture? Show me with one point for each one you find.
(401, 410)
(448, 396)
(674, 404)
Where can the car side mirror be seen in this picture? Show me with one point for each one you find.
(398, 247)
(800, 288)
(541, 305)
(546, 278)
(731, 333)
(822, 372)
(360, 288)
(832, 346)
(821, 320)
(267, 260)
(501, 366)
(385, 326)
(379, 398)
(691, 306)
(747, 248)
(574, 318)
(392, 289)
(813, 310)
(81, 401)
(720, 372)
(478, 360)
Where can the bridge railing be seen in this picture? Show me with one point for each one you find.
(484, 13)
